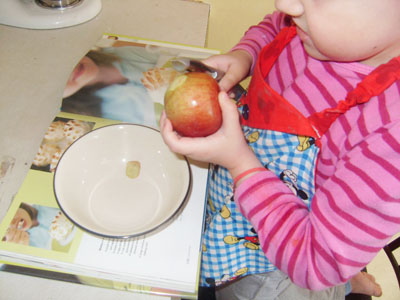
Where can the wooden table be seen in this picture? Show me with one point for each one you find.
(35, 65)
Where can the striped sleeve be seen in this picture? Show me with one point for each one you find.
(354, 212)
(257, 36)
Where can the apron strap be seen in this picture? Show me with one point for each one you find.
(262, 106)
(268, 58)
(372, 85)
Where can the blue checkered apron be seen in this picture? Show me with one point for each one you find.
(231, 248)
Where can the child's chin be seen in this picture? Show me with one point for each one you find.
(314, 53)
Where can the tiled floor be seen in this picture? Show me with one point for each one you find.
(228, 21)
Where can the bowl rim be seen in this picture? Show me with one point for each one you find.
(124, 236)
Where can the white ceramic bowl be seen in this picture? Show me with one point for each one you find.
(93, 190)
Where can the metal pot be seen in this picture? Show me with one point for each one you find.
(58, 4)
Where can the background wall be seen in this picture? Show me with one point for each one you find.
(229, 19)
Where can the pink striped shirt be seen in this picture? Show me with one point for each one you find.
(356, 207)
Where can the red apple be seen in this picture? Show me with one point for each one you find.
(191, 104)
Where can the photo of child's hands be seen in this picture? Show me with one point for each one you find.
(14, 235)
(235, 64)
(224, 147)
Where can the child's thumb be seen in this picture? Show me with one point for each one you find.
(228, 106)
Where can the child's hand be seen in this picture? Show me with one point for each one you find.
(14, 235)
(226, 147)
(235, 64)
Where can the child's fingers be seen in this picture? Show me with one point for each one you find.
(223, 63)
(214, 61)
(228, 108)
(163, 117)
(177, 143)
(166, 127)
(171, 138)
(228, 81)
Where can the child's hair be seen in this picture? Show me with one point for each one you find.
(32, 212)
(102, 58)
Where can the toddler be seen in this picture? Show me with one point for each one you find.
(304, 189)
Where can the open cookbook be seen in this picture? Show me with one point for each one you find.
(122, 79)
